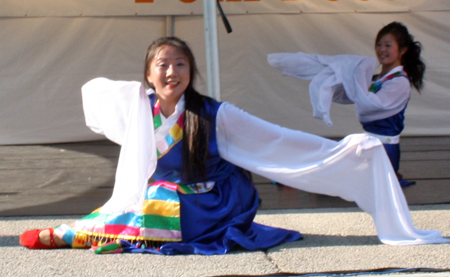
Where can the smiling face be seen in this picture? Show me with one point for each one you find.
(169, 73)
(388, 53)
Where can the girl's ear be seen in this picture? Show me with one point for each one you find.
(403, 51)
(149, 79)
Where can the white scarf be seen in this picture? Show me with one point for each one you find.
(121, 111)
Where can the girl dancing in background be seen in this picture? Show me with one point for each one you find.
(380, 100)
(401, 67)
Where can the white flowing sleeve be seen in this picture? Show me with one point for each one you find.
(121, 111)
(332, 75)
(106, 106)
(355, 169)
(324, 86)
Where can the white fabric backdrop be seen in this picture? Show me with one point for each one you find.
(47, 58)
(195, 7)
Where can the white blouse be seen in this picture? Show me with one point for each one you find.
(388, 101)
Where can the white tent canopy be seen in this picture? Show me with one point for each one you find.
(51, 48)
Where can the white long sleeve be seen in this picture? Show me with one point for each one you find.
(355, 169)
(332, 75)
(121, 111)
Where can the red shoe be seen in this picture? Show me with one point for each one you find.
(30, 239)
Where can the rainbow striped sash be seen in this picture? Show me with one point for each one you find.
(376, 86)
(175, 134)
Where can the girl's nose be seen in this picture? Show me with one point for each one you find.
(171, 70)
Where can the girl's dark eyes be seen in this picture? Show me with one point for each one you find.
(386, 45)
(166, 65)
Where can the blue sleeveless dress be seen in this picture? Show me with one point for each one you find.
(391, 126)
(208, 220)
(221, 219)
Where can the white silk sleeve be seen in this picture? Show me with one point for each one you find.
(355, 169)
(121, 111)
(106, 106)
(331, 76)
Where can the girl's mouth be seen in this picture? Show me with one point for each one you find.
(172, 84)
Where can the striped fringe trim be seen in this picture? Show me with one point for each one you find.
(84, 239)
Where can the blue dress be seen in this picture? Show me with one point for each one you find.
(391, 126)
(221, 219)
(212, 220)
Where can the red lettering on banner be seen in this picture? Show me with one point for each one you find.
(241, 0)
(192, 1)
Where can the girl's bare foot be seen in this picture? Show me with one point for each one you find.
(44, 237)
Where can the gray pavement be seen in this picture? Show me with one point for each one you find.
(336, 240)
(46, 185)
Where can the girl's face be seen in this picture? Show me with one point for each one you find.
(169, 72)
(388, 53)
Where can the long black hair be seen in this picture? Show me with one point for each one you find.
(196, 120)
(411, 61)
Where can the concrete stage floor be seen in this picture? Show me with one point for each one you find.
(45, 185)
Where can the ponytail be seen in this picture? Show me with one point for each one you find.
(413, 64)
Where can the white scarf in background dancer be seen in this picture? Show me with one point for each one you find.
(356, 168)
(343, 79)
